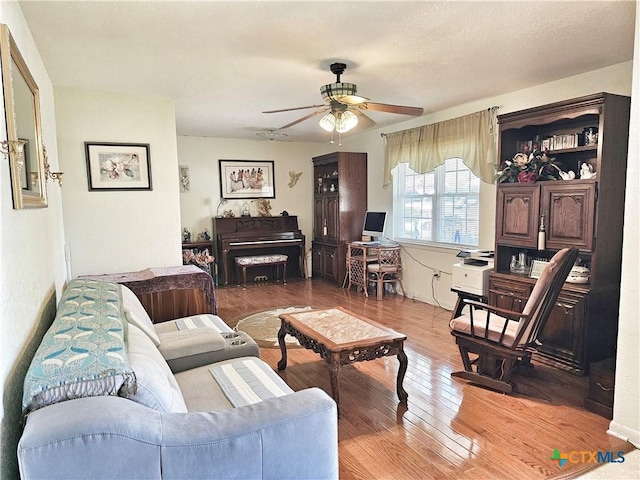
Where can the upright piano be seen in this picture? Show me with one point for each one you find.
(240, 236)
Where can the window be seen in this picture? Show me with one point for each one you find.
(441, 206)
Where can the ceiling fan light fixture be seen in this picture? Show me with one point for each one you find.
(335, 91)
(272, 135)
(328, 122)
(345, 121)
(339, 121)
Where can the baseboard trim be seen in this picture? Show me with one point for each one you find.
(624, 433)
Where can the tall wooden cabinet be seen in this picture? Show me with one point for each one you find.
(585, 213)
(340, 202)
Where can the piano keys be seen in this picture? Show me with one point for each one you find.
(235, 237)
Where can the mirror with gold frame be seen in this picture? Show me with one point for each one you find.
(22, 113)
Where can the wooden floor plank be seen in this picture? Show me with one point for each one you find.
(450, 429)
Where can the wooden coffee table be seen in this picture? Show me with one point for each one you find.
(342, 337)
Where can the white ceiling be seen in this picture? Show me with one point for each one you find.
(225, 62)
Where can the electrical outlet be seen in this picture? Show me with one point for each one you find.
(436, 273)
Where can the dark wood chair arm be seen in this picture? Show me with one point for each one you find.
(503, 312)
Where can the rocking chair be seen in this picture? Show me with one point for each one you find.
(503, 339)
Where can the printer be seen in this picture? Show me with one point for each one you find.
(471, 273)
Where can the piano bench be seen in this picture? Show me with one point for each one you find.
(259, 261)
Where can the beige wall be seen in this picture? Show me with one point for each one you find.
(201, 154)
(31, 256)
(118, 231)
(626, 414)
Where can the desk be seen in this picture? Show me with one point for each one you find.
(359, 255)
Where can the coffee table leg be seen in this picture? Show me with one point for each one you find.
(404, 361)
(282, 364)
(334, 374)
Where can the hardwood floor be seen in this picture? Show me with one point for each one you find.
(450, 429)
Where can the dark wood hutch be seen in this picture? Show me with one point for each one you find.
(340, 202)
(585, 213)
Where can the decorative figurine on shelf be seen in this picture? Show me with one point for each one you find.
(570, 175)
(264, 207)
(245, 210)
(186, 235)
(205, 235)
(228, 214)
(586, 171)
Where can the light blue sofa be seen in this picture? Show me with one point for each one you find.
(172, 424)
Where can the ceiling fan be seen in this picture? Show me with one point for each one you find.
(344, 107)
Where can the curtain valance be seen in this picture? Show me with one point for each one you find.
(471, 138)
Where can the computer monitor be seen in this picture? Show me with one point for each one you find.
(374, 224)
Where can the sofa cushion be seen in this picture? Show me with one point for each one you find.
(137, 315)
(157, 387)
(201, 392)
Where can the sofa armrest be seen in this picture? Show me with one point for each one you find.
(93, 437)
(294, 436)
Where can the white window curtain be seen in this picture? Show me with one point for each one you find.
(471, 138)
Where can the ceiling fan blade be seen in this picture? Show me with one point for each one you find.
(295, 108)
(352, 99)
(306, 117)
(384, 107)
(363, 120)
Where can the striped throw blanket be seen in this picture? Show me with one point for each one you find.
(202, 321)
(248, 381)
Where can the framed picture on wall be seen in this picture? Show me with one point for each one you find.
(246, 179)
(118, 166)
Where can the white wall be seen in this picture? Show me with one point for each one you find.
(31, 253)
(626, 415)
(201, 154)
(118, 231)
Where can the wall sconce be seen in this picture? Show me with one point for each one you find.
(15, 147)
(55, 176)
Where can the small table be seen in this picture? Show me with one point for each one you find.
(341, 337)
(168, 292)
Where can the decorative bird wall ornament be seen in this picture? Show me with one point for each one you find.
(293, 178)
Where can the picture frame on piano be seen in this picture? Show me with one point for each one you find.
(240, 179)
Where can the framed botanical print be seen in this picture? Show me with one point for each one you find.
(118, 166)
